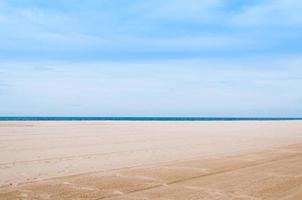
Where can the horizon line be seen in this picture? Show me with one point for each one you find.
(145, 118)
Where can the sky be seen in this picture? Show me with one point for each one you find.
(210, 58)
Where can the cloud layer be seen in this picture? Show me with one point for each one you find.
(134, 29)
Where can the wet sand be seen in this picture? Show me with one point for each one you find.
(151, 160)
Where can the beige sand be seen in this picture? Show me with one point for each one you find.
(151, 160)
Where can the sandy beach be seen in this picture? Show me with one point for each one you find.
(151, 160)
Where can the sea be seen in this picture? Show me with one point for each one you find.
(146, 118)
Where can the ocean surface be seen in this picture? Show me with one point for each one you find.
(145, 118)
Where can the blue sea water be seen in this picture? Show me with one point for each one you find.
(145, 118)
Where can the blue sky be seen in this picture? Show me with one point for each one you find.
(150, 58)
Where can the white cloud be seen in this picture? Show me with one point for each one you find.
(3, 19)
(194, 43)
(183, 10)
(272, 13)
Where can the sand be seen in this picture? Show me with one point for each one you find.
(151, 160)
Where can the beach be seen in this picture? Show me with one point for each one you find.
(151, 160)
